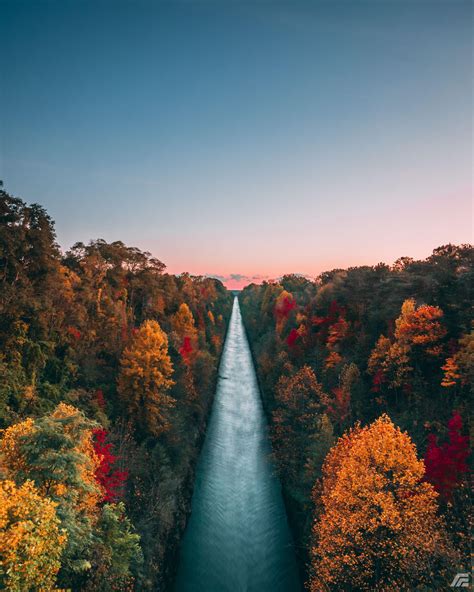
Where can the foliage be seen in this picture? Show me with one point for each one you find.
(31, 541)
(446, 464)
(297, 408)
(65, 324)
(145, 377)
(117, 554)
(380, 339)
(394, 361)
(184, 332)
(55, 452)
(459, 368)
(375, 505)
(110, 479)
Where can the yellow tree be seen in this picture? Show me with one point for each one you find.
(184, 333)
(31, 542)
(378, 528)
(284, 304)
(145, 378)
(182, 325)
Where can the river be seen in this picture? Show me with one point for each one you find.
(237, 538)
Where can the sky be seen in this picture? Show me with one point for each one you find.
(244, 140)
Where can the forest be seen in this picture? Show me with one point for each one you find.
(366, 376)
(107, 372)
(108, 367)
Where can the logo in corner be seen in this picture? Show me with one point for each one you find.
(460, 580)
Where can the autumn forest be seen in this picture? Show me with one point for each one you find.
(108, 368)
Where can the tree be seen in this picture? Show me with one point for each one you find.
(459, 368)
(31, 541)
(144, 379)
(417, 336)
(336, 333)
(284, 304)
(298, 405)
(446, 465)
(320, 442)
(56, 453)
(375, 505)
(117, 553)
(182, 323)
(111, 480)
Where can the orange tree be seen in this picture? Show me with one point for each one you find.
(417, 339)
(378, 528)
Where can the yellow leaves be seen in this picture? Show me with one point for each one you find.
(374, 507)
(146, 359)
(284, 304)
(31, 541)
(60, 490)
(182, 325)
(379, 355)
(145, 377)
(9, 444)
(16, 466)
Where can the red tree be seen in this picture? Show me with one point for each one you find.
(446, 464)
(292, 338)
(112, 481)
(186, 349)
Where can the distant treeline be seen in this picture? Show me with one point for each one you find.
(107, 371)
(367, 377)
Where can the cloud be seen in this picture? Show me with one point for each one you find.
(239, 278)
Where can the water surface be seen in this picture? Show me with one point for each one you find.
(237, 538)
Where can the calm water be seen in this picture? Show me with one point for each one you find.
(237, 538)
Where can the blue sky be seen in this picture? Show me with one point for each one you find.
(252, 138)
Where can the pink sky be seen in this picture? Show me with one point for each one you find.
(363, 236)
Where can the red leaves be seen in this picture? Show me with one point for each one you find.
(318, 321)
(100, 399)
(74, 332)
(377, 381)
(339, 406)
(292, 338)
(186, 350)
(446, 464)
(112, 481)
(335, 312)
(284, 306)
